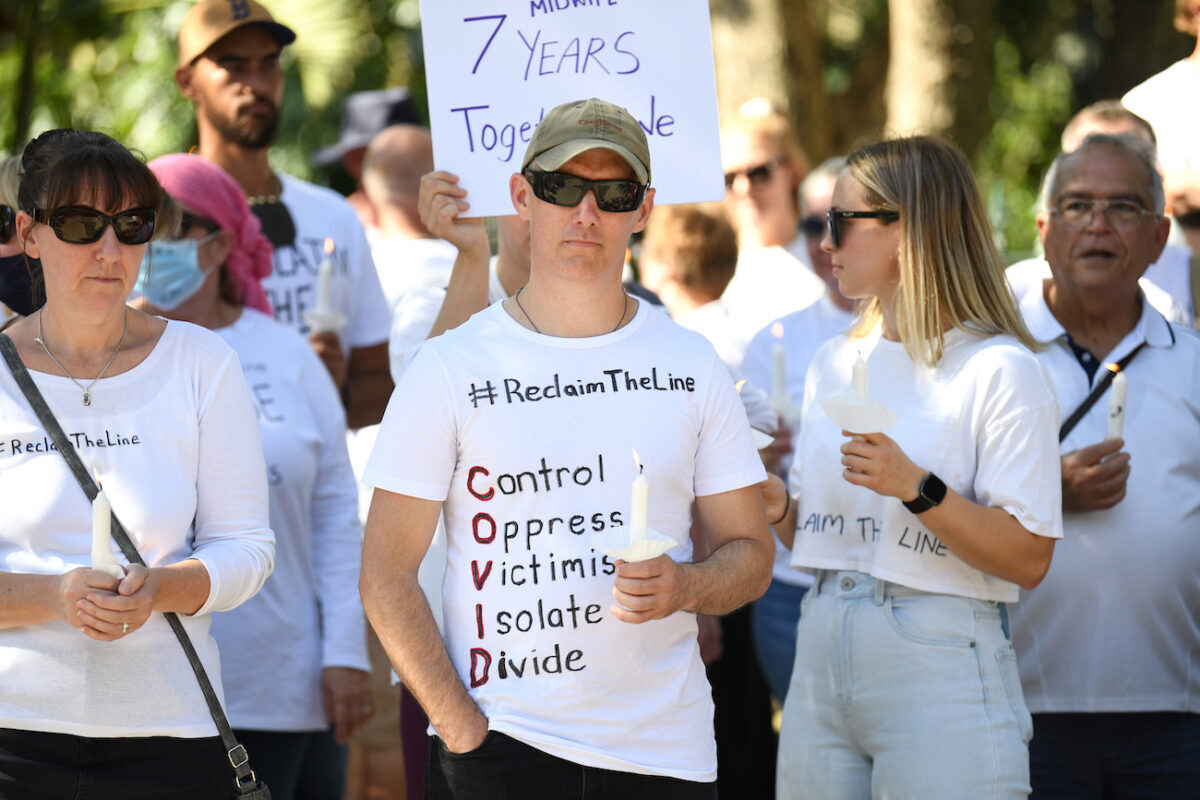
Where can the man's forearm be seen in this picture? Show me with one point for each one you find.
(400, 615)
(368, 385)
(734, 574)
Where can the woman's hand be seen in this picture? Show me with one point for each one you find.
(104, 609)
(875, 461)
(348, 700)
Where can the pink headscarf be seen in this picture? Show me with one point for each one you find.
(206, 189)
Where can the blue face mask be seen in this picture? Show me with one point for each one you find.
(170, 272)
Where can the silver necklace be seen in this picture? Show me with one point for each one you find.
(87, 390)
(517, 297)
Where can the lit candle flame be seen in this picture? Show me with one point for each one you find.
(777, 330)
(637, 461)
(1112, 367)
(737, 386)
(328, 245)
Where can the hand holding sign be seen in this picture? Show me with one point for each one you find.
(495, 67)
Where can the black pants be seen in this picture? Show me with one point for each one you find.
(1111, 756)
(56, 766)
(503, 768)
(297, 766)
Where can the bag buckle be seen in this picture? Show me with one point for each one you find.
(238, 757)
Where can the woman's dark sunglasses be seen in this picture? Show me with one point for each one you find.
(8, 224)
(756, 175)
(835, 221)
(83, 225)
(562, 189)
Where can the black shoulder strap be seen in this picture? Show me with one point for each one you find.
(1100, 388)
(245, 779)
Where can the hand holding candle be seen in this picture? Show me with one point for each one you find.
(325, 316)
(638, 542)
(1116, 404)
(854, 410)
(102, 557)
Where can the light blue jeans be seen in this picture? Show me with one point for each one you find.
(898, 694)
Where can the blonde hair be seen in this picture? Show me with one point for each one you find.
(951, 273)
(765, 121)
(10, 181)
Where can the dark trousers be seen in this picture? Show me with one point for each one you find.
(1115, 756)
(56, 766)
(503, 768)
(306, 765)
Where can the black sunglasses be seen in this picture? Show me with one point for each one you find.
(835, 218)
(813, 227)
(83, 225)
(8, 224)
(756, 175)
(562, 189)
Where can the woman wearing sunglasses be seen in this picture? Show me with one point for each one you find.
(308, 619)
(95, 690)
(20, 277)
(905, 681)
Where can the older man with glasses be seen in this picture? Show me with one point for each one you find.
(566, 671)
(1109, 643)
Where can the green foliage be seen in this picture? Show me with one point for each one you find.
(108, 65)
(1030, 104)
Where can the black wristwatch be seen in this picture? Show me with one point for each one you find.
(931, 493)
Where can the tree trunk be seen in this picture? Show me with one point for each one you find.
(940, 70)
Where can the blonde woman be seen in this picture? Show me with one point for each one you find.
(905, 681)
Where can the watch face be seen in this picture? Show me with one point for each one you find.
(932, 489)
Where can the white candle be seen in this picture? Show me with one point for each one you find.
(1116, 405)
(325, 280)
(858, 377)
(640, 506)
(779, 395)
(102, 557)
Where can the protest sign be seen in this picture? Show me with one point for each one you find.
(495, 67)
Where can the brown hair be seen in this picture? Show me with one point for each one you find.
(64, 167)
(698, 241)
(951, 273)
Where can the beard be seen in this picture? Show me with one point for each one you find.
(252, 131)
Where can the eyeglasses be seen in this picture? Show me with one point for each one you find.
(8, 224)
(1077, 212)
(562, 189)
(83, 225)
(756, 175)
(188, 220)
(836, 216)
(813, 227)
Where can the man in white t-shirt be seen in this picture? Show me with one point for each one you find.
(563, 665)
(1109, 643)
(229, 68)
(406, 254)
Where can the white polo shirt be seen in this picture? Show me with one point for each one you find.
(1115, 625)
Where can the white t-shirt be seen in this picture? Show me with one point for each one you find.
(177, 449)
(803, 332)
(984, 420)
(1171, 270)
(714, 322)
(415, 314)
(1167, 102)
(1114, 625)
(769, 283)
(404, 264)
(320, 213)
(527, 439)
(308, 615)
